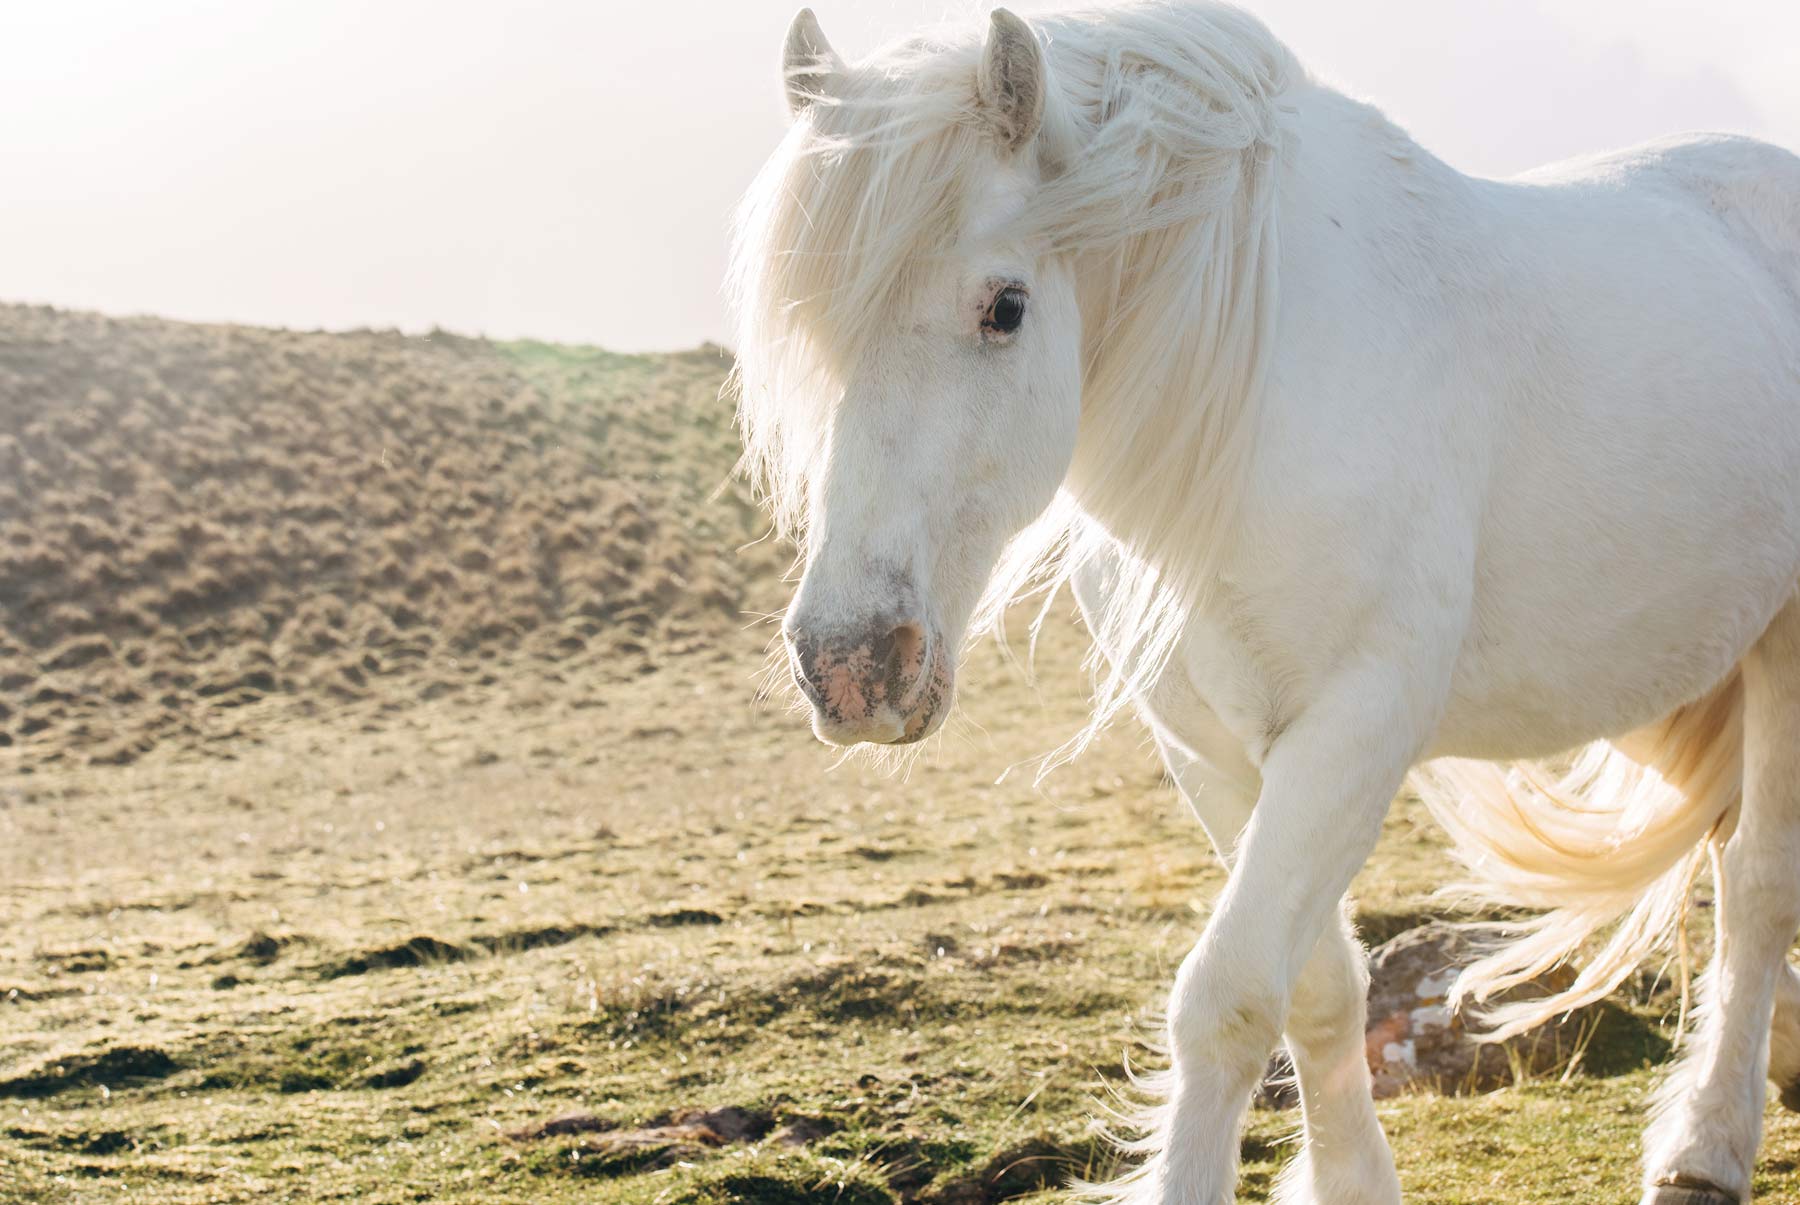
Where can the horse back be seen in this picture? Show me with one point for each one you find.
(1751, 187)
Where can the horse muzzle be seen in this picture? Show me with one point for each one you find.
(886, 683)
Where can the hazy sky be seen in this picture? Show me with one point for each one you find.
(564, 170)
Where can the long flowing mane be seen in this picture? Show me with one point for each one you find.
(1159, 157)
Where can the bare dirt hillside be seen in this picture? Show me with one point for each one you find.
(195, 519)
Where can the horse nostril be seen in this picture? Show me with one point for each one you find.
(808, 691)
(803, 659)
(901, 655)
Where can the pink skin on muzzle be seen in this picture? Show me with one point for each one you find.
(890, 692)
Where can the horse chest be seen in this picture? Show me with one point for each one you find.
(1222, 696)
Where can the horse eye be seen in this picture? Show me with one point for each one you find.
(1006, 313)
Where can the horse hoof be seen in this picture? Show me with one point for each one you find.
(1790, 1097)
(1688, 1190)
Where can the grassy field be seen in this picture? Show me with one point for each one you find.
(345, 965)
(600, 929)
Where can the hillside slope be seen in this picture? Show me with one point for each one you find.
(196, 518)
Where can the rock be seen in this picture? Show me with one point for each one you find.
(1413, 1038)
(1414, 1041)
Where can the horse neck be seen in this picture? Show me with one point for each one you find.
(1161, 469)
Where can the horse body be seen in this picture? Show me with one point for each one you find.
(1360, 463)
(1571, 402)
(1643, 520)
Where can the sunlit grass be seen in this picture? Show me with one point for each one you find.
(350, 964)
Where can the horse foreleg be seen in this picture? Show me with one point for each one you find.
(1345, 1157)
(1326, 784)
(1701, 1149)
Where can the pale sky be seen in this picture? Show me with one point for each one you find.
(564, 170)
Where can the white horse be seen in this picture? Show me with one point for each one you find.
(1354, 463)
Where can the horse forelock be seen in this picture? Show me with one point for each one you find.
(830, 242)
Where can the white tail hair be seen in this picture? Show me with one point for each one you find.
(1612, 846)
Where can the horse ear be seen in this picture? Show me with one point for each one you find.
(1011, 80)
(808, 62)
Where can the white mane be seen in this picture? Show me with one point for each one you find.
(1158, 155)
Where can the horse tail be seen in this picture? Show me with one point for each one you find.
(1611, 846)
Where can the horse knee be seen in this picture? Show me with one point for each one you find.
(1230, 1022)
(1331, 999)
(1223, 1017)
